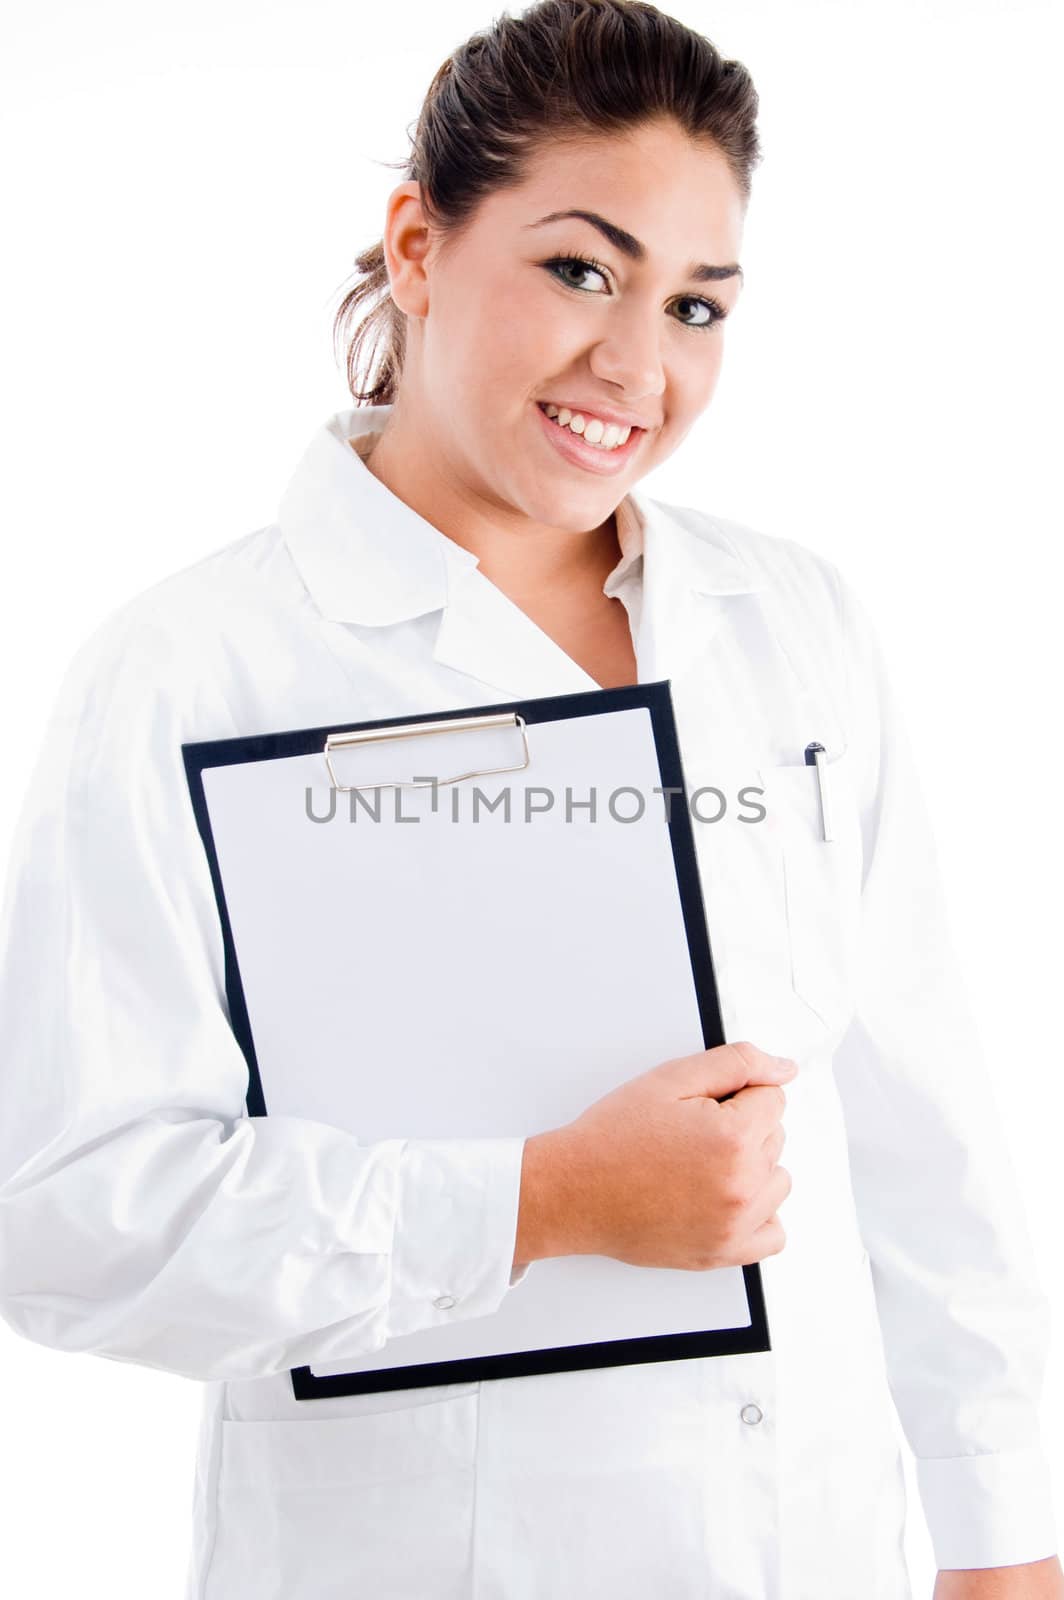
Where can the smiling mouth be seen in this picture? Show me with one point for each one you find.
(597, 435)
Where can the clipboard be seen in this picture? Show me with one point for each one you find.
(435, 967)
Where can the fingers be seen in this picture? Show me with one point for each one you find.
(767, 1240)
(756, 1109)
(772, 1145)
(777, 1188)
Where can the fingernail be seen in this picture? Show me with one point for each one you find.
(785, 1064)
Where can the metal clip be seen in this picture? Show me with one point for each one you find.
(412, 730)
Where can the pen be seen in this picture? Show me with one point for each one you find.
(814, 757)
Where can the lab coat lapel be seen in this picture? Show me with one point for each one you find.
(485, 636)
(688, 588)
(691, 581)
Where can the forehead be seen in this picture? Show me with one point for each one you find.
(654, 181)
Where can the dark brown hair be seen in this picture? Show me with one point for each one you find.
(563, 69)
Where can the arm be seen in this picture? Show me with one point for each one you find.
(143, 1215)
(964, 1320)
(1035, 1580)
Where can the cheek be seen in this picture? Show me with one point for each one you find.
(501, 342)
(536, 339)
(695, 377)
(691, 381)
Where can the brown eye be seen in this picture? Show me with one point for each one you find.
(716, 311)
(582, 264)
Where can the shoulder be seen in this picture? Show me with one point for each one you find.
(805, 602)
(782, 570)
(172, 638)
(186, 609)
(164, 667)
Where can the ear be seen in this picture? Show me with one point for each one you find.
(406, 243)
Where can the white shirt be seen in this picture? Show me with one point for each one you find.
(145, 1217)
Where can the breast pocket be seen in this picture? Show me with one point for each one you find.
(821, 879)
(782, 902)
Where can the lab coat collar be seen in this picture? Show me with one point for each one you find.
(367, 557)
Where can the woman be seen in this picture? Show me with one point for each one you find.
(560, 261)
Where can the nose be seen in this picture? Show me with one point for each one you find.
(629, 356)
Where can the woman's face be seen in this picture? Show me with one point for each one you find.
(505, 320)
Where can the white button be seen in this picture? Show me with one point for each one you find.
(444, 1302)
(751, 1413)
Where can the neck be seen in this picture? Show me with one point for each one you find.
(527, 560)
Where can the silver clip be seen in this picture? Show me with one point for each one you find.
(414, 730)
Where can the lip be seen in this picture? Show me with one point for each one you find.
(607, 463)
(605, 412)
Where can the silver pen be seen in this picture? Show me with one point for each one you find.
(815, 756)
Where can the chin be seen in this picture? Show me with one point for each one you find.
(571, 510)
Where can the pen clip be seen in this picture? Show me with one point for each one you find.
(816, 756)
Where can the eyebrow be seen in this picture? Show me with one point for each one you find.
(630, 246)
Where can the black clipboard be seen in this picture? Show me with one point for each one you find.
(522, 716)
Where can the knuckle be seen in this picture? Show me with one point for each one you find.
(732, 1144)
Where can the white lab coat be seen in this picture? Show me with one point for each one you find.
(145, 1217)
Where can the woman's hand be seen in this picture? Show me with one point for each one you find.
(1031, 1580)
(677, 1167)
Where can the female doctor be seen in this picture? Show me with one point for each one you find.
(547, 312)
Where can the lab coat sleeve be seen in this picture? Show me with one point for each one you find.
(964, 1320)
(143, 1215)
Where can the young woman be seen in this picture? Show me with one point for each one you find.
(546, 315)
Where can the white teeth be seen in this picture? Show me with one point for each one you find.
(604, 435)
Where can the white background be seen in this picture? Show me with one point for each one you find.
(186, 189)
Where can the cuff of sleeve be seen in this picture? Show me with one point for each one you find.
(993, 1510)
(455, 1231)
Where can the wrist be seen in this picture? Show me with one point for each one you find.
(548, 1212)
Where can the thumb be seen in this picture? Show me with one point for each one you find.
(723, 1069)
